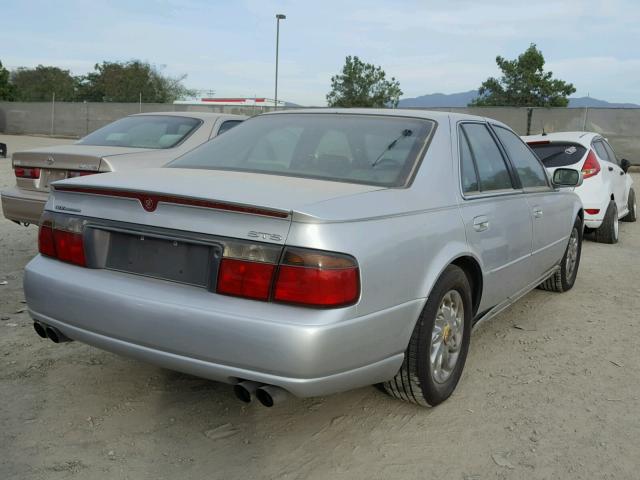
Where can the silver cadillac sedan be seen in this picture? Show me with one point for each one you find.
(309, 252)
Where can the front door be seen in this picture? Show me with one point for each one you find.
(550, 212)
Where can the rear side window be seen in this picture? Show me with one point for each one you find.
(558, 154)
(529, 169)
(228, 125)
(602, 153)
(612, 156)
(468, 169)
(492, 173)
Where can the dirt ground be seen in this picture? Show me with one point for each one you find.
(551, 390)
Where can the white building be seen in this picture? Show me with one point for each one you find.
(236, 101)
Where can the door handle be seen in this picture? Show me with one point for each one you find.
(537, 212)
(611, 169)
(480, 223)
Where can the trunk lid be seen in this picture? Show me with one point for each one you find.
(55, 163)
(234, 204)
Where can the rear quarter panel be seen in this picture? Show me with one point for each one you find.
(402, 238)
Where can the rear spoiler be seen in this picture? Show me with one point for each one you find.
(149, 200)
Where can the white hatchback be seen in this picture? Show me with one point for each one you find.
(607, 191)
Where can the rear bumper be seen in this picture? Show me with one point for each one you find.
(23, 205)
(309, 353)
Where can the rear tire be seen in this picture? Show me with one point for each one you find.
(437, 351)
(633, 208)
(608, 231)
(563, 279)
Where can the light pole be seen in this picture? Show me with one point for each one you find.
(279, 16)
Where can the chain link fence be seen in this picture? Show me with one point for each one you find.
(621, 126)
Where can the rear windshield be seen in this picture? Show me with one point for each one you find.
(374, 150)
(143, 131)
(558, 154)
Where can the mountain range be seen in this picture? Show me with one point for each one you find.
(462, 99)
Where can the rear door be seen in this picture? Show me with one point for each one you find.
(621, 190)
(495, 214)
(551, 214)
(613, 173)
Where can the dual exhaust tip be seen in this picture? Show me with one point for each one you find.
(246, 391)
(52, 333)
(267, 395)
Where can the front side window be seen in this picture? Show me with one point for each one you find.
(144, 131)
(368, 149)
(530, 171)
(491, 168)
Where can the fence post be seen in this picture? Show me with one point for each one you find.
(53, 111)
(86, 116)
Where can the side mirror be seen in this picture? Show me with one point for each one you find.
(566, 177)
(3, 150)
(625, 164)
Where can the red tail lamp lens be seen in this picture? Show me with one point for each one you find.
(591, 165)
(317, 279)
(592, 211)
(316, 287)
(46, 244)
(27, 172)
(243, 278)
(79, 173)
(69, 247)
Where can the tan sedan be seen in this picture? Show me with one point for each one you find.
(137, 141)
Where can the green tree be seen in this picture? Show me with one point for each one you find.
(363, 85)
(125, 81)
(40, 83)
(524, 83)
(6, 88)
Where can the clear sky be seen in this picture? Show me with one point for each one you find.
(430, 46)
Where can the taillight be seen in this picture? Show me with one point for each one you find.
(302, 277)
(69, 247)
(27, 172)
(244, 278)
(592, 211)
(317, 279)
(46, 244)
(79, 173)
(591, 165)
(64, 242)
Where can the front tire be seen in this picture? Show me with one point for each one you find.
(437, 351)
(633, 208)
(608, 231)
(563, 279)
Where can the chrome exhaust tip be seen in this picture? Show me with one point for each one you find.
(40, 329)
(269, 395)
(56, 336)
(245, 391)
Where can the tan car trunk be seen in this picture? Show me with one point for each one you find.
(57, 162)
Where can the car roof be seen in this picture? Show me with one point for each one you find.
(436, 115)
(191, 114)
(584, 138)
